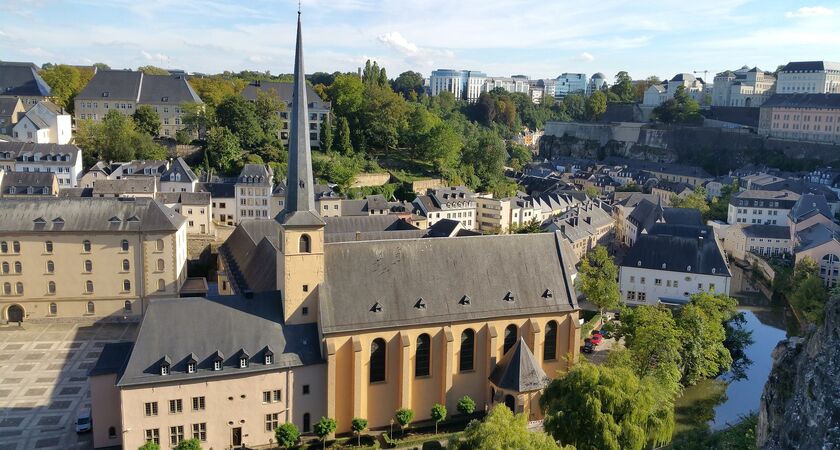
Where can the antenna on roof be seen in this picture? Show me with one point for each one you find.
(298, 7)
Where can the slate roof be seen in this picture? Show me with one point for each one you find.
(682, 216)
(284, 91)
(50, 153)
(255, 174)
(21, 181)
(809, 205)
(86, 215)
(766, 231)
(22, 79)
(519, 371)
(184, 198)
(181, 327)
(251, 255)
(8, 105)
(112, 359)
(130, 185)
(218, 190)
(693, 247)
(810, 66)
(651, 166)
(803, 101)
(139, 87)
(179, 167)
(645, 214)
(396, 273)
(76, 192)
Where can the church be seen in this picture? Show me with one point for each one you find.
(313, 324)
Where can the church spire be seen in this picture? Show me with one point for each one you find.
(300, 195)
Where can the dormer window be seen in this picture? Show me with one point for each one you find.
(190, 367)
(269, 359)
(164, 368)
(243, 362)
(106, 94)
(217, 365)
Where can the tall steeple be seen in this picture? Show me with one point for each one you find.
(300, 193)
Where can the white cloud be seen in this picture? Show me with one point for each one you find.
(157, 57)
(810, 11)
(396, 41)
(260, 58)
(585, 57)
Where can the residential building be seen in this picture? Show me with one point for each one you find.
(623, 204)
(674, 172)
(463, 84)
(803, 117)
(44, 123)
(499, 215)
(11, 110)
(21, 80)
(585, 226)
(88, 257)
(139, 186)
(598, 82)
(655, 95)
(570, 83)
(761, 207)
(743, 87)
(320, 329)
(694, 262)
(124, 90)
(639, 220)
(456, 203)
(319, 110)
(119, 170)
(253, 191)
(665, 190)
(763, 240)
(809, 77)
(196, 207)
(65, 161)
(223, 202)
(178, 177)
(27, 184)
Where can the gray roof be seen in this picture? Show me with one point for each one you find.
(130, 185)
(651, 166)
(682, 216)
(809, 205)
(687, 247)
(86, 214)
(810, 66)
(284, 90)
(766, 231)
(181, 328)
(645, 214)
(814, 236)
(139, 87)
(255, 174)
(218, 190)
(532, 271)
(250, 253)
(50, 153)
(184, 198)
(75, 192)
(519, 371)
(752, 197)
(112, 359)
(806, 101)
(21, 181)
(8, 105)
(22, 79)
(354, 224)
(179, 167)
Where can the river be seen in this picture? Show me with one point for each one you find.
(723, 401)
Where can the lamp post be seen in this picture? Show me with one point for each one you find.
(391, 430)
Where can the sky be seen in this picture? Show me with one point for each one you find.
(541, 39)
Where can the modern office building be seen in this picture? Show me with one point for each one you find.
(809, 77)
(464, 84)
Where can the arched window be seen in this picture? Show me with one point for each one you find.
(4, 247)
(18, 267)
(510, 337)
(127, 306)
(88, 265)
(126, 285)
(91, 308)
(377, 360)
(423, 356)
(159, 245)
(88, 286)
(124, 245)
(16, 246)
(7, 288)
(48, 246)
(307, 423)
(51, 287)
(53, 308)
(160, 265)
(5, 267)
(305, 244)
(126, 265)
(465, 357)
(86, 245)
(19, 287)
(550, 347)
(161, 284)
(50, 267)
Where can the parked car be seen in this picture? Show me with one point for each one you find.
(596, 338)
(587, 346)
(83, 421)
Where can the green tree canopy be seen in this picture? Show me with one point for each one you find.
(214, 89)
(325, 427)
(358, 425)
(240, 117)
(287, 435)
(651, 335)
(342, 142)
(222, 149)
(152, 70)
(66, 82)
(596, 105)
(409, 84)
(680, 109)
(466, 405)
(575, 106)
(346, 94)
(116, 138)
(623, 88)
(810, 297)
(598, 279)
(703, 333)
(502, 430)
(438, 414)
(326, 136)
(149, 445)
(147, 120)
(189, 444)
(404, 417)
(520, 155)
(695, 200)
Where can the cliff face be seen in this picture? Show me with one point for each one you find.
(800, 406)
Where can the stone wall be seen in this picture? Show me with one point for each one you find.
(420, 187)
(371, 179)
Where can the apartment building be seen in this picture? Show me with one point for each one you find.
(65, 161)
(456, 203)
(809, 77)
(584, 227)
(44, 123)
(253, 191)
(27, 184)
(743, 87)
(196, 207)
(764, 240)
(178, 177)
(87, 257)
(463, 84)
(21, 80)
(119, 170)
(318, 110)
(761, 207)
(124, 90)
(499, 215)
(11, 110)
(803, 117)
(223, 202)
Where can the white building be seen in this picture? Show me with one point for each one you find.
(743, 87)
(44, 123)
(693, 262)
(178, 177)
(500, 214)
(809, 77)
(657, 94)
(761, 207)
(455, 203)
(570, 83)
(596, 83)
(63, 160)
(253, 191)
(463, 84)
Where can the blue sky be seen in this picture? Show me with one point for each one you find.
(500, 37)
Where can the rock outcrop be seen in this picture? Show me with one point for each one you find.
(800, 406)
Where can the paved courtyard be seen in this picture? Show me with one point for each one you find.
(43, 381)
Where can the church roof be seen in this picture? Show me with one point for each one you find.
(534, 268)
(519, 371)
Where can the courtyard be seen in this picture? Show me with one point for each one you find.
(43, 381)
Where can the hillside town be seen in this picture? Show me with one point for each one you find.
(247, 260)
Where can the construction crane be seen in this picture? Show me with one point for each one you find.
(705, 74)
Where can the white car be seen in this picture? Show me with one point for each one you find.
(83, 421)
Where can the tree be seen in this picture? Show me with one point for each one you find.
(404, 417)
(502, 430)
(592, 192)
(530, 227)
(596, 105)
(651, 335)
(623, 87)
(149, 445)
(438, 414)
(326, 141)
(102, 66)
(575, 105)
(147, 120)
(695, 200)
(214, 89)
(268, 107)
(606, 408)
(325, 427)
(116, 138)
(152, 70)
(597, 279)
(240, 117)
(183, 137)
(342, 137)
(466, 405)
(346, 94)
(222, 149)
(287, 435)
(520, 155)
(65, 83)
(409, 84)
(702, 330)
(189, 444)
(680, 109)
(358, 425)
(810, 297)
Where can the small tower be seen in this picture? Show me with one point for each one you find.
(300, 262)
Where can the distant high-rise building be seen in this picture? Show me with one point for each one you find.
(464, 84)
(809, 77)
(570, 83)
(596, 83)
